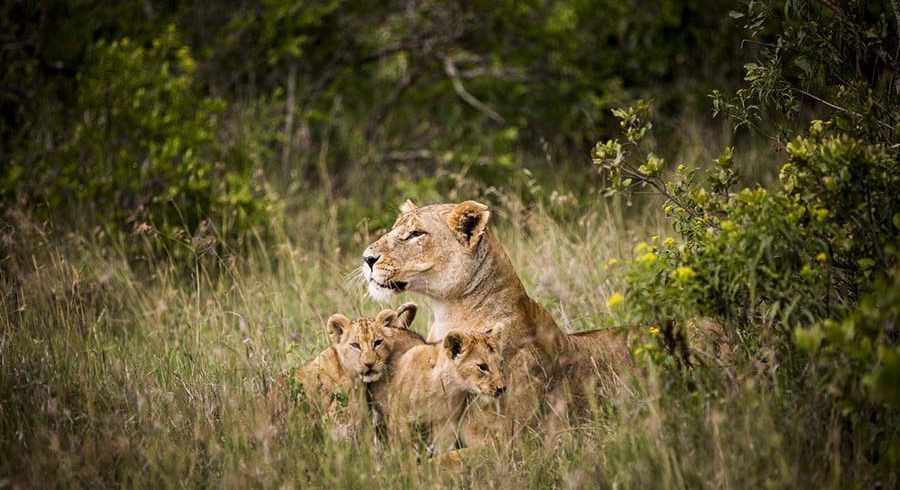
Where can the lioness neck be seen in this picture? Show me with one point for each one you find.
(494, 297)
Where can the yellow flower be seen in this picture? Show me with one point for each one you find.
(822, 257)
(668, 209)
(806, 270)
(654, 330)
(727, 225)
(816, 127)
(669, 241)
(701, 196)
(610, 263)
(784, 170)
(615, 300)
(648, 258)
(638, 351)
(642, 247)
(683, 273)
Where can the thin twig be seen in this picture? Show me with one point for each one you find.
(453, 74)
(837, 107)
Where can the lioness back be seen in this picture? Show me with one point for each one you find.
(593, 368)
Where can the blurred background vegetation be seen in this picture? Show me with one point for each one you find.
(174, 112)
(186, 184)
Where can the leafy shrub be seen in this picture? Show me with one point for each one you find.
(805, 271)
(797, 258)
(146, 148)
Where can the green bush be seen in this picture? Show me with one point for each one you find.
(147, 149)
(796, 259)
(802, 274)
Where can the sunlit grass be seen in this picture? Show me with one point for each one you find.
(161, 374)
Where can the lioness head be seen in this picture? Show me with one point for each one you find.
(364, 345)
(430, 250)
(476, 359)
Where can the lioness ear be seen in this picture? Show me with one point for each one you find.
(455, 343)
(468, 221)
(406, 314)
(408, 206)
(387, 318)
(337, 324)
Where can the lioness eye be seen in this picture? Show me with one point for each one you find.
(354, 345)
(377, 342)
(414, 233)
(483, 367)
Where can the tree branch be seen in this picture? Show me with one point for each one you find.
(453, 74)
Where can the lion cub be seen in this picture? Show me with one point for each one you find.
(360, 354)
(428, 393)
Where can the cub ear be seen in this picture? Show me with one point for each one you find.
(387, 318)
(337, 325)
(408, 206)
(469, 220)
(406, 314)
(456, 342)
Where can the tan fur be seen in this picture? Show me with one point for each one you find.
(360, 353)
(432, 382)
(586, 374)
(448, 253)
(591, 370)
(325, 383)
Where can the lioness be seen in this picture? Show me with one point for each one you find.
(360, 353)
(429, 390)
(448, 253)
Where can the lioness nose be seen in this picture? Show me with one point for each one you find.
(500, 390)
(370, 260)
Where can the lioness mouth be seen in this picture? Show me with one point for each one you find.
(394, 286)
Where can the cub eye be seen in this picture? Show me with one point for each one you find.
(377, 342)
(413, 234)
(484, 367)
(355, 345)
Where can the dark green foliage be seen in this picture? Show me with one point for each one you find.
(410, 100)
(807, 269)
(147, 148)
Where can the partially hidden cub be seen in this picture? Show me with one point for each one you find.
(589, 372)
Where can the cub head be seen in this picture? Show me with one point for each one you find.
(431, 250)
(364, 345)
(476, 360)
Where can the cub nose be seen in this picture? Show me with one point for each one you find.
(368, 365)
(370, 260)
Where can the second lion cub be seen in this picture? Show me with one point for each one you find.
(428, 393)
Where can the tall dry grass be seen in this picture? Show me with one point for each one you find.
(156, 373)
